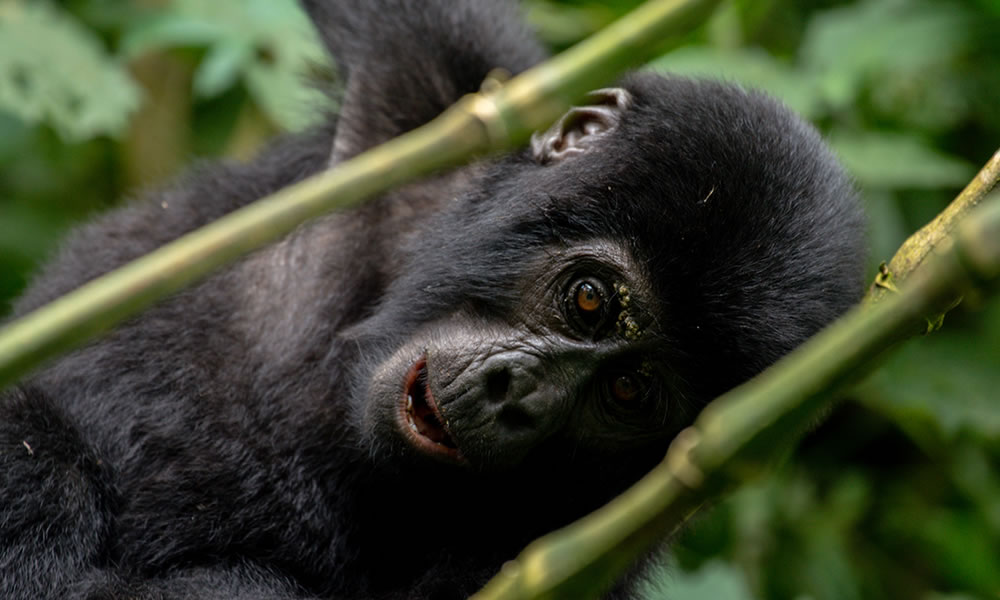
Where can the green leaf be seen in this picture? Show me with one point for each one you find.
(171, 30)
(281, 88)
(750, 67)
(955, 542)
(890, 160)
(887, 227)
(267, 44)
(562, 25)
(712, 581)
(53, 70)
(845, 46)
(948, 382)
(222, 67)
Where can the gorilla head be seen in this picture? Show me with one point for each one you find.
(651, 251)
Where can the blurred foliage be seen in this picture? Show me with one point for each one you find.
(896, 495)
(267, 45)
(55, 70)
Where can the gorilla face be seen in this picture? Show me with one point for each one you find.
(572, 359)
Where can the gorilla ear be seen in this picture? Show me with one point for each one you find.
(582, 127)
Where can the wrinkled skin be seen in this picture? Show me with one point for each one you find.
(391, 402)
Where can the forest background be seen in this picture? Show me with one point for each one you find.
(895, 495)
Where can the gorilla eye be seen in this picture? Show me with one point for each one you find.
(587, 307)
(588, 298)
(625, 390)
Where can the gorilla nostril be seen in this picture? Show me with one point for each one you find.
(497, 385)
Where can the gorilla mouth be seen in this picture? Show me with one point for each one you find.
(422, 420)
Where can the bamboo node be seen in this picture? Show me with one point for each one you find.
(483, 107)
(679, 461)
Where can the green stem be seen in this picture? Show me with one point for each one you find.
(921, 244)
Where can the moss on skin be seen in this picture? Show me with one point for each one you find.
(646, 369)
(627, 326)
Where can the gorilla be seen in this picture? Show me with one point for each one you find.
(390, 402)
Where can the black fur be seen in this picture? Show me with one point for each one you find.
(239, 439)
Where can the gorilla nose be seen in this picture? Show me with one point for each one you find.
(510, 377)
(516, 389)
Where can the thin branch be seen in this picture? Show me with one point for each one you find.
(741, 432)
(496, 119)
(922, 244)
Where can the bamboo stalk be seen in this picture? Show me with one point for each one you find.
(922, 244)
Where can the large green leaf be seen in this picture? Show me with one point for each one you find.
(890, 160)
(751, 67)
(846, 45)
(55, 71)
(561, 24)
(222, 66)
(713, 581)
(269, 45)
(948, 383)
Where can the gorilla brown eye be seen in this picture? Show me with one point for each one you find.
(588, 298)
(625, 390)
(587, 307)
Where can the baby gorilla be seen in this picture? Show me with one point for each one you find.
(389, 403)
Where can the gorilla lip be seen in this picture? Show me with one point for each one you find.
(423, 423)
